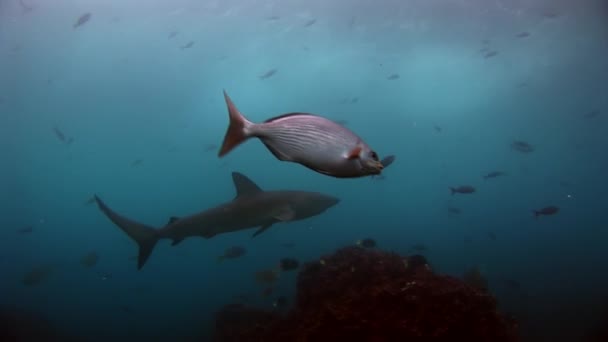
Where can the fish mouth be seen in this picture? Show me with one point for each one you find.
(376, 167)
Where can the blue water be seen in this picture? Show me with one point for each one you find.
(125, 91)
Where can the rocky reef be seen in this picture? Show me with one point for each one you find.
(371, 295)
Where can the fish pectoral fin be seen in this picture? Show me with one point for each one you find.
(262, 229)
(354, 153)
(285, 214)
(172, 219)
(176, 241)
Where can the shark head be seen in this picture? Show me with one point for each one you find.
(309, 204)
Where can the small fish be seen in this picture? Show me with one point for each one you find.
(393, 77)
(266, 276)
(25, 8)
(522, 146)
(485, 41)
(307, 139)
(90, 259)
(494, 174)
(523, 34)
(210, 147)
(83, 19)
(454, 211)
(268, 74)
(550, 210)
(490, 54)
(367, 243)
(62, 137)
(592, 114)
(310, 22)
(232, 253)
(274, 17)
(288, 264)
(419, 248)
(136, 162)
(104, 275)
(280, 302)
(463, 189)
(437, 128)
(90, 201)
(172, 34)
(267, 292)
(492, 236)
(187, 46)
(354, 100)
(26, 230)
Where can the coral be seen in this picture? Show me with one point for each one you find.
(370, 295)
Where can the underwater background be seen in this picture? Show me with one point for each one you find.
(128, 105)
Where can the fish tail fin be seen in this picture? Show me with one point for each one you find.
(453, 191)
(145, 236)
(238, 129)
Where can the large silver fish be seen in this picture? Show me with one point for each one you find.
(310, 140)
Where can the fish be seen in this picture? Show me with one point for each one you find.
(437, 128)
(25, 8)
(454, 211)
(522, 146)
(393, 77)
(550, 210)
(62, 137)
(494, 174)
(307, 139)
(288, 264)
(268, 74)
(463, 189)
(274, 17)
(367, 243)
(523, 34)
(232, 253)
(172, 34)
(83, 19)
(26, 230)
(136, 162)
(490, 54)
(89, 260)
(251, 207)
(592, 114)
(187, 46)
(310, 22)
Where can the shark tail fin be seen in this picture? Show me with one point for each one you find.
(145, 236)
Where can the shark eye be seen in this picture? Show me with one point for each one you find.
(374, 155)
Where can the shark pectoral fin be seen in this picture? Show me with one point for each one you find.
(285, 214)
(176, 241)
(172, 219)
(262, 229)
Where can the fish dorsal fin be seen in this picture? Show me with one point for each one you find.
(244, 185)
(172, 219)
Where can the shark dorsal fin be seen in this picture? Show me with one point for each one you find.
(244, 185)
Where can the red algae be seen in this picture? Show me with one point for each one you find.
(371, 295)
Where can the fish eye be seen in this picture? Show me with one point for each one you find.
(374, 155)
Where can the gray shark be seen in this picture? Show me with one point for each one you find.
(252, 207)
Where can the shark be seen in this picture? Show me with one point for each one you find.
(251, 207)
